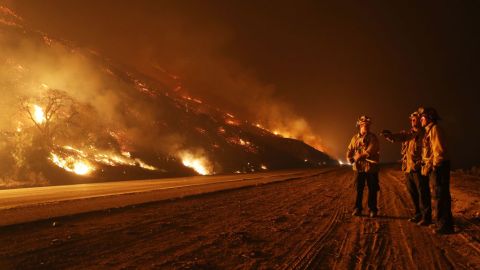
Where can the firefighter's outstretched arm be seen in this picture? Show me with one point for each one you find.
(401, 136)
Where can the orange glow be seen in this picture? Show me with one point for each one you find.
(72, 164)
(81, 161)
(114, 159)
(297, 132)
(38, 115)
(232, 122)
(248, 146)
(198, 163)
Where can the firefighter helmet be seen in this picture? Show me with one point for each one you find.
(364, 120)
(415, 114)
(430, 113)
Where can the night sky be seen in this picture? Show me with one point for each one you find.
(325, 62)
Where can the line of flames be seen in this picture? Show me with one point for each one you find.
(82, 163)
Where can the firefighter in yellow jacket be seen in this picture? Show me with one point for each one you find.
(417, 185)
(364, 154)
(436, 166)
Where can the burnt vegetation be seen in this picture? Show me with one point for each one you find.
(93, 121)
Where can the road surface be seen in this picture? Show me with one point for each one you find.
(300, 220)
(31, 204)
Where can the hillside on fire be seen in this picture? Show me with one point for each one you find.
(69, 115)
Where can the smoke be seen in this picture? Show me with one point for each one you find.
(112, 111)
(238, 90)
(284, 122)
(194, 50)
(33, 64)
(186, 44)
(92, 107)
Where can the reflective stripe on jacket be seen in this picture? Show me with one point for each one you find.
(369, 149)
(434, 149)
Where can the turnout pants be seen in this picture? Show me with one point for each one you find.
(371, 180)
(440, 178)
(419, 189)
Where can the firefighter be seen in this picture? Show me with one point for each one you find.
(417, 185)
(436, 166)
(363, 154)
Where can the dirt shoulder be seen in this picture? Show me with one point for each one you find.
(299, 224)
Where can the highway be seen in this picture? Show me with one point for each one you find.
(31, 204)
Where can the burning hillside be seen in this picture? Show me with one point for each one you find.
(69, 116)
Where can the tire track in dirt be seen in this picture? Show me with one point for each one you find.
(310, 255)
(291, 205)
(388, 241)
(421, 249)
(192, 246)
(306, 259)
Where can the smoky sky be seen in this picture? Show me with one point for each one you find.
(326, 62)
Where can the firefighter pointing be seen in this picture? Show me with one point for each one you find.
(363, 154)
(417, 184)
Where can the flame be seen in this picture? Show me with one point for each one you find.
(145, 165)
(283, 133)
(71, 164)
(232, 122)
(192, 99)
(80, 161)
(81, 168)
(299, 130)
(38, 114)
(263, 167)
(249, 146)
(113, 159)
(259, 126)
(198, 163)
(340, 162)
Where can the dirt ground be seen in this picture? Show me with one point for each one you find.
(297, 224)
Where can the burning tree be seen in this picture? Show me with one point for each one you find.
(43, 122)
(40, 121)
(52, 114)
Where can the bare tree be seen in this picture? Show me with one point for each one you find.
(59, 111)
